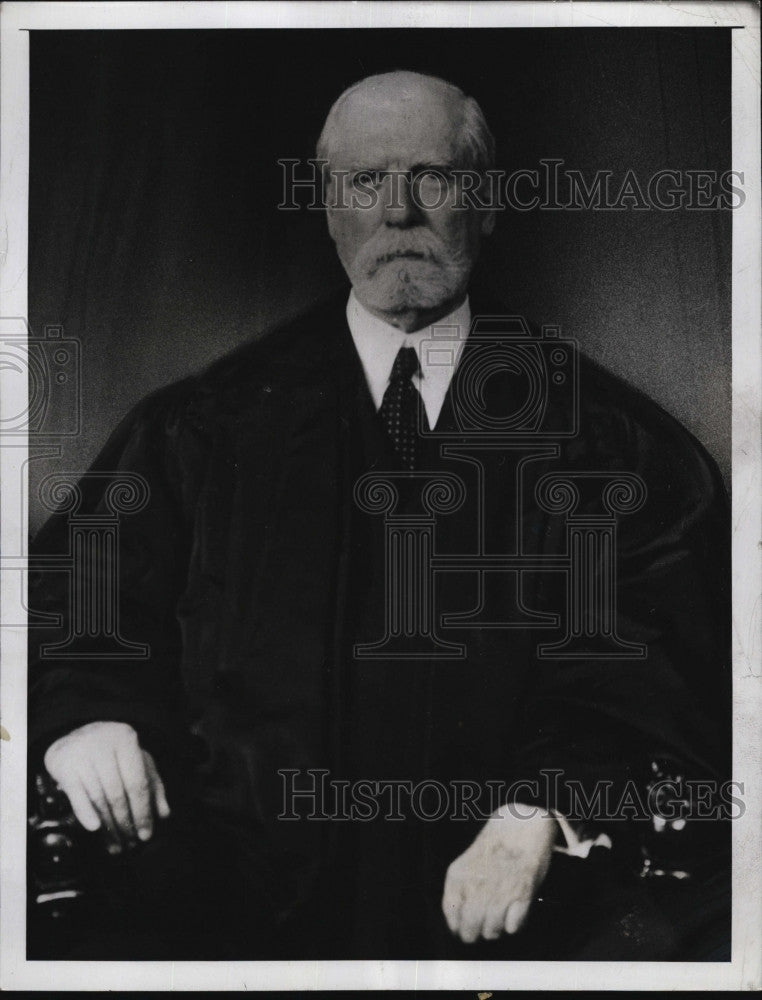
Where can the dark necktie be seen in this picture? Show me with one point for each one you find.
(401, 408)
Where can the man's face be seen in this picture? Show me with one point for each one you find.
(403, 243)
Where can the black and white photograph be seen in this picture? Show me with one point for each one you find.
(381, 496)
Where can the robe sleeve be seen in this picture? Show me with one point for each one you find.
(131, 675)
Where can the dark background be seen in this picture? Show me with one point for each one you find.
(156, 241)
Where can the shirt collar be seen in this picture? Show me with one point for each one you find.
(438, 347)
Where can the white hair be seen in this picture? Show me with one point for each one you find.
(476, 147)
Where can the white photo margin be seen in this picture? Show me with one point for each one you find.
(744, 971)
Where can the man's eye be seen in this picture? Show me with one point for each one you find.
(434, 175)
(368, 178)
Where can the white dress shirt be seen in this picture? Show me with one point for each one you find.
(438, 348)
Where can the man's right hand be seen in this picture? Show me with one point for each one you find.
(110, 781)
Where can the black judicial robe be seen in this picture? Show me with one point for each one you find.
(251, 573)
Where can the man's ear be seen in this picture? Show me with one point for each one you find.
(330, 218)
(330, 205)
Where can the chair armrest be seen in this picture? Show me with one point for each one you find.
(56, 860)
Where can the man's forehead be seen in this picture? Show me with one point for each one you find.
(416, 121)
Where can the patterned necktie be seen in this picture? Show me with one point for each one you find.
(402, 408)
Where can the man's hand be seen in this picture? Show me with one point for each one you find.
(489, 888)
(111, 782)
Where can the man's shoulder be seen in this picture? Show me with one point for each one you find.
(619, 426)
(300, 346)
(622, 425)
(294, 352)
(301, 343)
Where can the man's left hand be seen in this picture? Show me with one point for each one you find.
(489, 888)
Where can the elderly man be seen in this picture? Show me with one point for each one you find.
(259, 583)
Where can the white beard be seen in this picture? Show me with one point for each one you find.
(407, 283)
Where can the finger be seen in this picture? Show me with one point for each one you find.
(516, 915)
(494, 920)
(82, 807)
(452, 901)
(135, 781)
(471, 918)
(116, 795)
(157, 786)
(99, 800)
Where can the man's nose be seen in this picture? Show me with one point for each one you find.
(401, 209)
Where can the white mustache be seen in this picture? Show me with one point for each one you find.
(372, 256)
